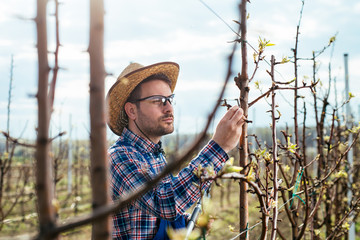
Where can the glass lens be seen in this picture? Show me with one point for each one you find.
(158, 99)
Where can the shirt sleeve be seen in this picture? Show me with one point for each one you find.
(173, 195)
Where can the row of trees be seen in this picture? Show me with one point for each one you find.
(324, 193)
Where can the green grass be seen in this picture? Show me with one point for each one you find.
(228, 215)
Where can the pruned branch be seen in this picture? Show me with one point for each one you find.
(16, 141)
(334, 233)
(56, 57)
(261, 197)
(274, 156)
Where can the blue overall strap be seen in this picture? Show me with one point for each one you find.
(164, 225)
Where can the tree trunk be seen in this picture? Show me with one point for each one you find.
(44, 183)
(242, 82)
(99, 167)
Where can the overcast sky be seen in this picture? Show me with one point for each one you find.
(185, 32)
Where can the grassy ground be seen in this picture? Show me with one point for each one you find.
(23, 221)
(226, 212)
(224, 208)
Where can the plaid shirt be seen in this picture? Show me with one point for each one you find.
(133, 162)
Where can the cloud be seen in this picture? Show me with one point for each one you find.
(11, 10)
(185, 32)
(5, 42)
(202, 85)
(173, 43)
(74, 87)
(22, 112)
(356, 8)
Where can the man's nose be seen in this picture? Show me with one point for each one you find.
(168, 107)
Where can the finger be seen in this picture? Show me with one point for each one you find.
(230, 113)
(242, 120)
(237, 115)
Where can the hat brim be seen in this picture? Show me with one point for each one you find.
(122, 88)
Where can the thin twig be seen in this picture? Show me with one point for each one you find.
(340, 223)
(17, 141)
(274, 155)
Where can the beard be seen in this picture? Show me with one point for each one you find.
(156, 127)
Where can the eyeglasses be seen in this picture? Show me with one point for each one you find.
(157, 99)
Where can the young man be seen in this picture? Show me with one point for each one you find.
(140, 112)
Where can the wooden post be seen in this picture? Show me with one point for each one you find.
(9, 102)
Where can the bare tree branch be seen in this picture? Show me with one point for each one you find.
(274, 156)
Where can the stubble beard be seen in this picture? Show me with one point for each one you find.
(158, 128)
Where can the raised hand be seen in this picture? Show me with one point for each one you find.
(228, 130)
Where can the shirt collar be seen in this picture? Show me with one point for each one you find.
(138, 142)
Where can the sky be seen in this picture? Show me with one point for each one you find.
(186, 32)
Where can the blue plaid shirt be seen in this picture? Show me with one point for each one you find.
(133, 162)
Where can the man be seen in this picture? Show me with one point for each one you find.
(140, 112)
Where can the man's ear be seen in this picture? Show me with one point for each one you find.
(130, 109)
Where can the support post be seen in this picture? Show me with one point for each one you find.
(350, 154)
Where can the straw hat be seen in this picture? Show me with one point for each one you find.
(130, 77)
